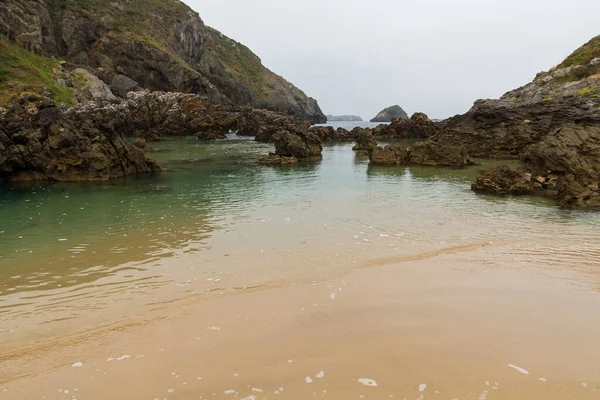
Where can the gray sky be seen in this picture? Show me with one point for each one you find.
(434, 56)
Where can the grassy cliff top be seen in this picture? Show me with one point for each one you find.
(24, 72)
(584, 54)
(580, 61)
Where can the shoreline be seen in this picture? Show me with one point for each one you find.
(423, 320)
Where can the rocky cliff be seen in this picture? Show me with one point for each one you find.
(552, 124)
(131, 44)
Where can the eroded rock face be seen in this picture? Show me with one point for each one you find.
(425, 153)
(39, 141)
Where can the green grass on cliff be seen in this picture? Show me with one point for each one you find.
(239, 60)
(584, 54)
(22, 71)
(581, 58)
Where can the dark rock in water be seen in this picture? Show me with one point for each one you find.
(432, 153)
(299, 145)
(388, 114)
(330, 134)
(394, 154)
(365, 141)
(419, 126)
(39, 141)
(504, 181)
(274, 159)
(426, 153)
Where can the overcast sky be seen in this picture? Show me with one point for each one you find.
(435, 56)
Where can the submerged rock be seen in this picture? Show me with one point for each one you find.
(274, 159)
(39, 141)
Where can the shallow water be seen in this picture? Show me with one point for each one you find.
(349, 125)
(74, 256)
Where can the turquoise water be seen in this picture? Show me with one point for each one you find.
(70, 250)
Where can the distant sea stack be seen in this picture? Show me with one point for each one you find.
(390, 113)
(343, 118)
(131, 45)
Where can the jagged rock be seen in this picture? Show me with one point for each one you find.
(419, 126)
(91, 88)
(154, 115)
(365, 141)
(388, 114)
(274, 159)
(427, 153)
(39, 141)
(263, 124)
(330, 134)
(299, 145)
(432, 153)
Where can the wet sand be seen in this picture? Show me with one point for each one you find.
(469, 324)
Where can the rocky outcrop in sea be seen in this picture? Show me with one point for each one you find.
(551, 124)
(388, 114)
(427, 153)
(40, 141)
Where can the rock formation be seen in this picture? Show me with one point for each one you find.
(419, 126)
(298, 145)
(388, 114)
(39, 141)
(553, 126)
(365, 141)
(132, 44)
(274, 159)
(427, 153)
